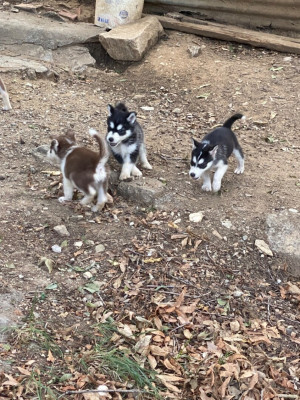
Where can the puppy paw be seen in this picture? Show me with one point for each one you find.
(216, 186)
(136, 172)
(124, 176)
(206, 187)
(98, 207)
(63, 199)
(239, 170)
(147, 165)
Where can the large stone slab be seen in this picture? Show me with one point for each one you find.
(50, 42)
(8, 63)
(50, 34)
(284, 236)
(130, 42)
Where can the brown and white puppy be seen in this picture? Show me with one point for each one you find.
(82, 169)
(6, 103)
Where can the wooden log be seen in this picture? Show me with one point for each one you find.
(234, 34)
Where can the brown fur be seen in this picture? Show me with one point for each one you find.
(82, 168)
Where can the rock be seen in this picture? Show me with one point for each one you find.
(234, 326)
(40, 152)
(87, 275)
(130, 42)
(51, 41)
(176, 111)
(227, 223)
(99, 248)
(56, 248)
(17, 29)
(61, 230)
(20, 64)
(284, 236)
(237, 293)
(9, 301)
(144, 191)
(194, 51)
(77, 58)
(147, 108)
(263, 247)
(216, 233)
(196, 217)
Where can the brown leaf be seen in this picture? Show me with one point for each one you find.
(223, 387)
(159, 351)
(11, 381)
(180, 298)
(172, 365)
(24, 371)
(157, 323)
(152, 361)
(50, 357)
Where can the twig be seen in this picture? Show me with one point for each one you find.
(182, 281)
(268, 309)
(288, 396)
(175, 294)
(180, 326)
(101, 391)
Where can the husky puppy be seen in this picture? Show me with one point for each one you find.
(126, 140)
(6, 103)
(82, 169)
(212, 152)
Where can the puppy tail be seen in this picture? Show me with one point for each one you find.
(231, 120)
(103, 151)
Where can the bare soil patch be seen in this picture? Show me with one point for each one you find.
(220, 318)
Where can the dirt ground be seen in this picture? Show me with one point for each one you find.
(151, 256)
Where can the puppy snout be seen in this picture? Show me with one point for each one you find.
(192, 174)
(111, 139)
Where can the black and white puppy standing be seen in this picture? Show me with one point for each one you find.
(126, 140)
(212, 153)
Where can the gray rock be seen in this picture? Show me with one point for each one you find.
(21, 64)
(99, 248)
(194, 51)
(142, 191)
(18, 29)
(77, 58)
(61, 230)
(40, 152)
(284, 237)
(130, 42)
(8, 316)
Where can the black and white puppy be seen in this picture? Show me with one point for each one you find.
(6, 103)
(212, 153)
(82, 169)
(126, 140)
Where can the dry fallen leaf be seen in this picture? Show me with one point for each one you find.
(50, 357)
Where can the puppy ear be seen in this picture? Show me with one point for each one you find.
(110, 110)
(131, 118)
(54, 145)
(70, 134)
(213, 151)
(195, 143)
